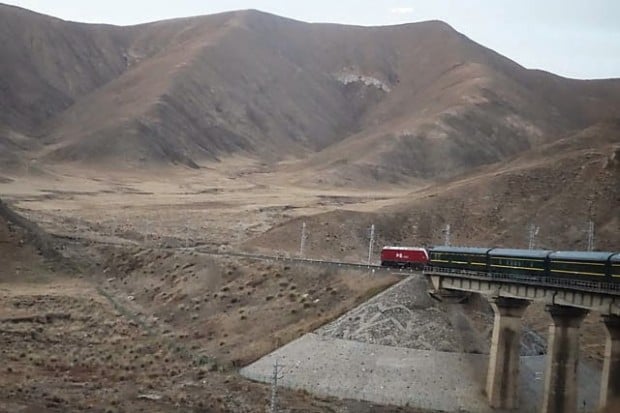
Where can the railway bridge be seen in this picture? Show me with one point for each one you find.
(568, 302)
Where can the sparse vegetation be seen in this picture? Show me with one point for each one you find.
(160, 152)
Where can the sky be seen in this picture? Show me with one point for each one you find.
(572, 38)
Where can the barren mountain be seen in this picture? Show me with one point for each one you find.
(378, 102)
(557, 187)
(280, 122)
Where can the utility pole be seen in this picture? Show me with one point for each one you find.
(146, 229)
(274, 387)
(590, 235)
(371, 243)
(446, 234)
(114, 227)
(187, 233)
(302, 243)
(159, 232)
(86, 233)
(532, 233)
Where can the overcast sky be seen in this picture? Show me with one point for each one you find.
(573, 38)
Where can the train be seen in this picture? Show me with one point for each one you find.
(587, 265)
(404, 257)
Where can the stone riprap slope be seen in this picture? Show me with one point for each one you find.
(404, 348)
(429, 380)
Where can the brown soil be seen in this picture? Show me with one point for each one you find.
(148, 328)
(278, 123)
(208, 315)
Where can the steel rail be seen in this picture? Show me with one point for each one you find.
(611, 288)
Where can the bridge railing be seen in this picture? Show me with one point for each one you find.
(600, 286)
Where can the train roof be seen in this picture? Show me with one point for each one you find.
(404, 248)
(460, 250)
(513, 252)
(581, 255)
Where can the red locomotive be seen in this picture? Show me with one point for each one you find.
(404, 257)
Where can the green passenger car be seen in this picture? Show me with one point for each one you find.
(462, 258)
(518, 261)
(615, 266)
(580, 264)
(562, 265)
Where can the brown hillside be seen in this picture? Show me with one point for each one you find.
(48, 63)
(557, 187)
(26, 252)
(381, 103)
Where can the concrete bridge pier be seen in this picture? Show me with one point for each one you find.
(610, 381)
(560, 394)
(503, 374)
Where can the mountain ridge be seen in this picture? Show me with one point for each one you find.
(413, 100)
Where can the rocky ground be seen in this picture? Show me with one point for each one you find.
(407, 316)
(104, 328)
(406, 348)
(107, 266)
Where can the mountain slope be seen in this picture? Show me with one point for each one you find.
(47, 63)
(558, 187)
(376, 104)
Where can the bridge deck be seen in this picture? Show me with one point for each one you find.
(591, 295)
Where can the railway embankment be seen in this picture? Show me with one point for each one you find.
(404, 348)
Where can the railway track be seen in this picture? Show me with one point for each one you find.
(201, 249)
(299, 260)
(262, 257)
